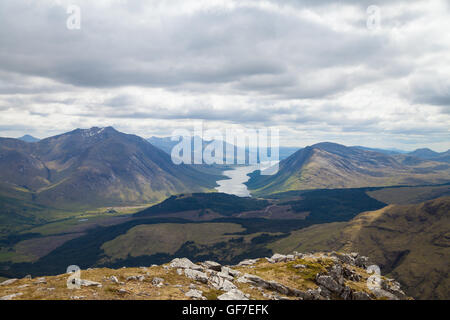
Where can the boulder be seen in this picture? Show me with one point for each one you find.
(157, 281)
(234, 294)
(89, 283)
(184, 263)
(359, 295)
(114, 279)
(11, 296)
(8, 282)
(196, 275)
(279, 257)
(248, 262)
(196, 294)
(231, 272)
(329, 283)
(211, 265)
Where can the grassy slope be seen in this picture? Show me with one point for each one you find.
(411, 242)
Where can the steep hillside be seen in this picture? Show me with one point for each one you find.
(429, 154)
(330, 165)
(408, 242)
(97, 166)
(321, 276)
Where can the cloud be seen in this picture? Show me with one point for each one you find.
(304, 66)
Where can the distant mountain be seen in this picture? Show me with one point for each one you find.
(385, 151)
(429, 154)
(28, 138)
(408, 242)
(330, 165)
(166, 144)
(97, 166)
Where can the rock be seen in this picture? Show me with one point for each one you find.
(362, 261)
(360, 296)
(211, 265)
(23, 286)
(346, 294)
(337, 274)
(345, 258)
(8, 282)
(179, 271)
(243, 279)
(123, 291)
(248, 262)
(89, 283)
(299, 266)
(192, 286)
(40, 280)
(11, 296)
(28, 276)
(114, 279)
(197, 294)
(136, 278)
(196, 275)
(270, 260)
(279, 257)
(184, 263)
(350, 274)
(220, 283)
(234, 294)
(290, 257)
(77, 297)
(157, 281)
(231, 272)
(380, 293)
(313, 294)
(329, 283)
(393, 287)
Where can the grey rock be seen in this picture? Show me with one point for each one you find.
(114, 279)
(231, 272)
(346, 294)
(248, 262)
(211, 265)
(279, 257)
(196, 275)
(179, 271)
(88, 283)
(157, 281)
(362, 261)
(8, 282)
(299, 266)
(11, 296)
(329, 283)
(359, 295)
(41, 280)
(234, 294)
(184, 263)
(197, 294)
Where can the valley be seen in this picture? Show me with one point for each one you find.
(99, 198)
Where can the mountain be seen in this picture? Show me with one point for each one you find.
(429, 154)
(408, 242)
(28, 138)
(166, 144)
(319, 276)
(95, 167)
(331, 165)
(385, 151)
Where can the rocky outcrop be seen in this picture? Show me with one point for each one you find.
(299, 276)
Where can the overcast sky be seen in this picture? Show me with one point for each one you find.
(311, 68)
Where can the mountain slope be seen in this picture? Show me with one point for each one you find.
(28, 138)
(330, 165)
(97, 166)
(429, 154)
(409, 242)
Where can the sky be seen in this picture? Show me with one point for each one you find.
(373, 73)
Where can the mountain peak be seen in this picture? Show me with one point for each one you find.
(28, 138)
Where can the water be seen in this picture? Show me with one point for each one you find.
(235, 185)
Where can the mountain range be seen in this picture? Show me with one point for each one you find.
(331, 165)
(94, 167)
